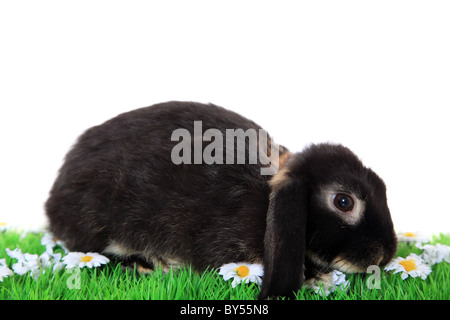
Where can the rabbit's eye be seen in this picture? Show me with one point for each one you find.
(346, 205)
(343, 202)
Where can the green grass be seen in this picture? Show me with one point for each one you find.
(112, 282)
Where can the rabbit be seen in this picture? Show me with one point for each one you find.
(121, 193)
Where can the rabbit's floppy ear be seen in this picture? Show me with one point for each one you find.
(285, 237)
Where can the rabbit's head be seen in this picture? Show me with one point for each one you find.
(326, 206)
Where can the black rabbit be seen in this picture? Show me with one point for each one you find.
(159, 185)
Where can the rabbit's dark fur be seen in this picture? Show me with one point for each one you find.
(119, 192)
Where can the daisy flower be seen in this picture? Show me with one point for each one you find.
(337, 280)
(3, 263)
(412, 265)
(26, 262)
(242, 272)
(4, 270)
(435, 254)
(412, 237)
(33, 263)
(50, 260)
(49, 241)
(3, 226)
(15, 254)
(80, 259)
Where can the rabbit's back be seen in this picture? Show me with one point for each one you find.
(119, 191)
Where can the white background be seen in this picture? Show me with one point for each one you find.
(372, 75)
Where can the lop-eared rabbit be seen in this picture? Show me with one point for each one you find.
(145, 187)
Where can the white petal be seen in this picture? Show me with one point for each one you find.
(256, 269)
(58, 266)
(229, 275)
(73, 259)
(56, 257)
(400, 268)
(226, 268)
(5, 272)
(20, 268)
(256, 279)
(3, 262)
(237, 280)
(447, 258)
(15, 254)
(47, 240)
(338, 278)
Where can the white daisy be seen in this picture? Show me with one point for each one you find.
(339, 281)
(80, 259)
(15, 254)
(242, 272)
(50, 260)
(50, 241)
(336, 280)
(26, 262)
(435, 254)
(413, 237)
(3, 226)
(22, 267)
(412, 266)
(4, 270)
(45, 260)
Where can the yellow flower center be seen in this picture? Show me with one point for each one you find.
(409, 265)
(242, 271)
(86, 258)
(409, 234)
(2, 224)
